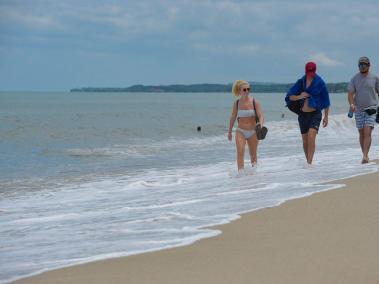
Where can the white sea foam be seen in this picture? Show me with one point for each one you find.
(148, 149)
(157, 181)
(52, 218)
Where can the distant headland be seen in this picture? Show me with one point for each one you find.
(257, 87)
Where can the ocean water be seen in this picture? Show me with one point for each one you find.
(89, 176)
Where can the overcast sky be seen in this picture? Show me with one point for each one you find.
(58, 45)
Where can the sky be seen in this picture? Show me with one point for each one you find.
(59, 45)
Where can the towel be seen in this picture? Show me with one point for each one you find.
(318, 93)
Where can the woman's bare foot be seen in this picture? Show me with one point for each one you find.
(365, 160)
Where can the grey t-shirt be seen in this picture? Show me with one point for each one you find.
(366, 89)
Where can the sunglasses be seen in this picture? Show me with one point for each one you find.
(363, 64)
(246, 89)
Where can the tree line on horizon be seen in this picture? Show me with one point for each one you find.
(207, 88)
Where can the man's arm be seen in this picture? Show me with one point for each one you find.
(294, 91)
(303, 95)
(350, 98)
(326, 117)
(351, 94)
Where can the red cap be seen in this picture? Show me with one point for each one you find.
(310, 68)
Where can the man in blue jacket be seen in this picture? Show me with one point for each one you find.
(312, 95)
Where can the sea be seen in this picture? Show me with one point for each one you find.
(91, 176)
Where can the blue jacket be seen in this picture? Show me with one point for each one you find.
(319, 95)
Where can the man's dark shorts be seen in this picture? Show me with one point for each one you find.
(309, 120)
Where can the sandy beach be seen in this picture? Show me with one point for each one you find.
(329, 237)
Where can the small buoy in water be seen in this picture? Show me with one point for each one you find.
(199, 128)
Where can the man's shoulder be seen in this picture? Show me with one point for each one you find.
(357, 76)
(368, 77)
(299, 82)
(319, 79)
(372, 75)
(301, 79)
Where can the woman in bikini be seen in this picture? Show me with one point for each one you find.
(245, 108)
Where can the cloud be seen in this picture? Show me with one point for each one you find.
(29, 21)
(195, 35)
(222, 49)
(322, 59)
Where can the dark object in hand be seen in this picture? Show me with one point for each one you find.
(370, 111)
(261, 132)
(377, 116)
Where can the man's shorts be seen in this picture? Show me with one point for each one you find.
(362, 119)
(309, 120)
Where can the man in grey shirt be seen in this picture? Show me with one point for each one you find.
(363, 94)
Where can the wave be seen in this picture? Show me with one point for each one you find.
(280, 129)
(53, 218)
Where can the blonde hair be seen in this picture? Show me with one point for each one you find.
(237, 87)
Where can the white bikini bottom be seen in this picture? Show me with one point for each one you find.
(246, 133)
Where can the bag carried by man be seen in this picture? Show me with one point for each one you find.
(370, 111)
(294, 106)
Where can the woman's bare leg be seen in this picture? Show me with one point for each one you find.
(252, 142)
(240, 145)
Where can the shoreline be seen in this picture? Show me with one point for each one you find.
(237, 237)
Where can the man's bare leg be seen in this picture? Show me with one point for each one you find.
(367, 130)
(305, 144)
(361, 137)
(312, 133)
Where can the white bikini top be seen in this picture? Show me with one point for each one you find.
(245, 112)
